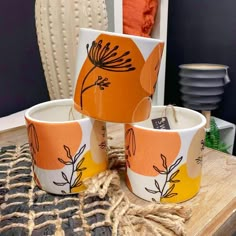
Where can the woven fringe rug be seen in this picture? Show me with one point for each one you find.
(103, 209)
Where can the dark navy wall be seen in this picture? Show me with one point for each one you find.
(22, 82)
(202, 32)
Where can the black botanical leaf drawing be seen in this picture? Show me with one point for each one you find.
(199, 158)
(152, 191)
(33, 141)
(130, 147)
(164, 161)
(202, 145)
(169, 178)
(77, 155)
(77, 168)
(103, 145)
(60, 184)
(172, 180)
(79, 164)
(64, 177)
(77, 181)
(68, 152)
(158, 170)
(64, 162)
(171, 195)
(168, 191)
(177, 162)
(106, 58)
(157, 185)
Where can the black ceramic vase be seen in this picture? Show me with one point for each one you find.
(202, 85)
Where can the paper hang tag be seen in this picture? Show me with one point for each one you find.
(160, 123)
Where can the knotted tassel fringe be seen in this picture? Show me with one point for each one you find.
(129, 219)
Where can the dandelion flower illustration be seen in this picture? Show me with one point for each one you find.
(108, 58)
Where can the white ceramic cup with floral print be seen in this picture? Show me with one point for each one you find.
(66, 147)
(164, 154)
(116, 75)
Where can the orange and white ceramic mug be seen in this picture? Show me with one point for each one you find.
(66, 148)
(116, 75)
(164, 154)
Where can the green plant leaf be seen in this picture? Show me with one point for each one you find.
(212, 139)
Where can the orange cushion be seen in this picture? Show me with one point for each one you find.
(139, 16)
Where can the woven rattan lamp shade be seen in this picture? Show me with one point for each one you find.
(57, 25)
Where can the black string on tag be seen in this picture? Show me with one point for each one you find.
(71, 114)
(162, 122)
(173, 110)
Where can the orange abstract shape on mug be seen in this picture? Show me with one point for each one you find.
(144, 105)
(111, 69)
(51, 148)
(149, 73)
(142, 157)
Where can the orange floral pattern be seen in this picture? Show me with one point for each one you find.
(63, 155)
(112, 82)
(143, 141)
(50, 147)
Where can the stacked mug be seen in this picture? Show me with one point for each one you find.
(116, 76)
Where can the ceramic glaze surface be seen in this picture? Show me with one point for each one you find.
(165, 165)
(203, 66)
(116, 75)
(57, 26)
(65, 149)
(203, 85)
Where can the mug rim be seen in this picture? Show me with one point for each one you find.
(198, 126)
(122, 35)
(203, 66)
(50, 103)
